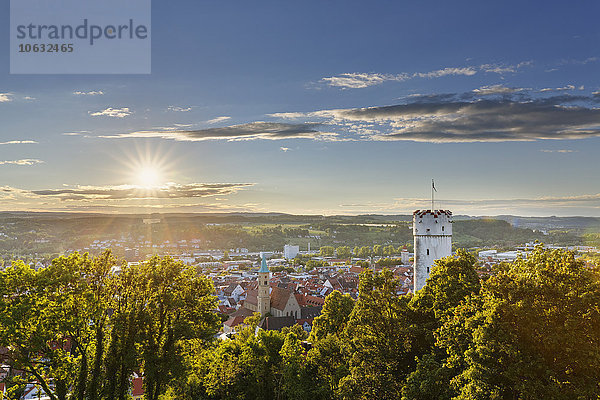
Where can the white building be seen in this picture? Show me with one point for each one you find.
(290, 251)
(432, 232)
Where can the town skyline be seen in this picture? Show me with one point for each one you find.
(337, 109)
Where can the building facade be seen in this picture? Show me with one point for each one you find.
(432, 232)
(290, 251)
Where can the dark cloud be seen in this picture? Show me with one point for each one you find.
(170, 191)
(482, 120)
(253, 130)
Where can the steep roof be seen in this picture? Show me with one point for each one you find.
(279, 297)
(263, 265)
(251, 297)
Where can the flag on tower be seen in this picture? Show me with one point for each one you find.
(433, 185)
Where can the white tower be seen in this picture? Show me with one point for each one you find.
(432, 231)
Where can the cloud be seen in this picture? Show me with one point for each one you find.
(19, 142)
(179, 109)
(131, 192)
(28, 98)
(558, 89)
(495, 89)
(468, 71)
(90, 93)
(296, 115)
(76, 133)
(249, 131)
(112, 112)
(5, 97)
(26, 161)
(466, 117)
(479, 121)
(284, 149)
(558, 151)
(218, 119)
(359, 80)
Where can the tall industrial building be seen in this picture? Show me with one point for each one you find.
(432, 231)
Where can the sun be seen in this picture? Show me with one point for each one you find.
(149, 176)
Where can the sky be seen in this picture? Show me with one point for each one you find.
(312, 107)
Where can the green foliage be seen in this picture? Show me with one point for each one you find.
(536, 332)
(334, 317)
(280, 268)
(80, 331)
(379, 336)
(530, 331)
(327, 251)
(343, 252)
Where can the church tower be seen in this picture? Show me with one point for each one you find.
(264, 298)
(432, 232)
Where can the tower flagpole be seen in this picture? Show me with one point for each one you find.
(432, 195)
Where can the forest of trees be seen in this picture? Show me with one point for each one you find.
(30, 237)
(529, 331)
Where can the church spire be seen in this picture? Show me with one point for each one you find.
(263, 264)
(264, 296)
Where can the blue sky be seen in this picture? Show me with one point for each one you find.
(340, 107)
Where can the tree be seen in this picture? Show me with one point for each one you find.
(536, 332)
(327, 251)
(334, 316)
(365, 251)
(343, 252)
(377, 250)
(389, 250)
(53, 321)
(379, 336)
(80, 331)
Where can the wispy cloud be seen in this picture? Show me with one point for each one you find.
(112, 112)
(284, 149)
(89, 93)
(558, 89)
(76, 133)
(359, 80)
(25, 161)
(5, 97)
(566, 204)
(218, 119)
(179, 109)
(123, 192)
(19, 142)
(495, 89)
(468, 71)
(250, 131)
(558, 151)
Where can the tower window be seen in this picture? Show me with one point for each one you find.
(428, 253)
(427, 269)
(442, 229)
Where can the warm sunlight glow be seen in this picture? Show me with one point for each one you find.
(149, 177)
